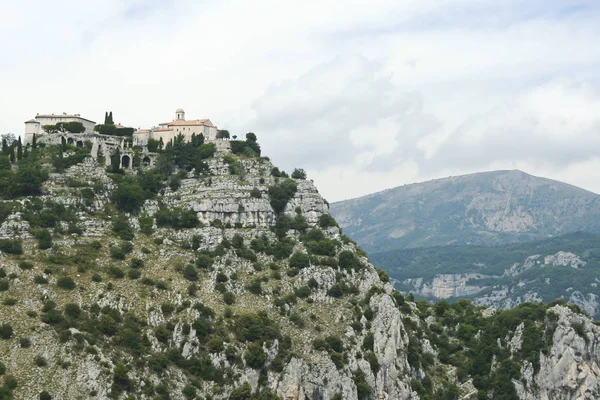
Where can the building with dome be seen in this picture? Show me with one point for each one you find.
(180, 125)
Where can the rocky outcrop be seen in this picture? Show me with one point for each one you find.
(570, 369)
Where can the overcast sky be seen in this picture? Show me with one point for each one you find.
(364, 95)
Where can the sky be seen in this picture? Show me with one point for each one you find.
(364, 96)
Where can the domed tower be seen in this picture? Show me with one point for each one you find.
(180, 115)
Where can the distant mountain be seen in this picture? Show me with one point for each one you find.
(566, 266)
(487, 208)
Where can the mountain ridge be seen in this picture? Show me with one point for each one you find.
(482, 208)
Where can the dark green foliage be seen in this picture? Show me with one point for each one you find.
(255, 356)
(112, 130)
(326, 220)
(66, 282)
(299, 260)
(146, 223)
(129, 196)
(2, 368)
(229, 298)
(177, 218)
(255, 193)
(204, 261)
(255, 286)
(256, 327)
(6, 331)
(44, 395)
(281, 194)
(298, 173)
(11, 246)
(122, 228)
(121, 381)
(116, 271)
(363, 390)
(153, 145)
(190, 273)
(299, 223)
(347, 260)
(243, 392)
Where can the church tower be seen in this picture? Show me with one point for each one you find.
(180, 115)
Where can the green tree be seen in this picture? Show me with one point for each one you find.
(19, 149)
(299, 173)
(223, 134)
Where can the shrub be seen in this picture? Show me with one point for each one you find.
(11, 246)
(2, 368)
(116, 271)
(6, 331)
(190, 273)
(281, 194)
(255, 287)
(122, 228)
(255, 356)
(66, 283)
(4, 285)
(134, 274)
(25, 342)
(299, 260)
(229, 298)
(204, 261)
(44, 395)
(25, 265)
(298, 173)
(326, 220)
(146, 222)
(256, 193)
(40, 361)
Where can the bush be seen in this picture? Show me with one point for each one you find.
(11, 246)
(281, 194)
(66, 283)
(44, 238)
(190, 273)
(255, 287)
(255, 356)
(255, 193)
(4, 285)
(116, 272)
(326, 220)
(2, 368)
(146, 222)
(6, 331)
(44, 395)
(229, 298)
(204, 261)
(40, 361)
(122, 228)
(299, 260)
(298, 173)
(177, 218)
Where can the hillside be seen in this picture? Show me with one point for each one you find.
(482, 209)
(225, 279)
(566, 266)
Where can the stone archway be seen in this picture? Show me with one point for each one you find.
(80, 143)
(70, 141)
(146, 161)
(125, 161)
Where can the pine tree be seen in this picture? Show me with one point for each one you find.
(5, 149)
(12, 154)
(63, 143)
(115, 161)
(105, 117)
(19, 149)
(26, 152)
(34, 142)
(110, 119)
(161, 144)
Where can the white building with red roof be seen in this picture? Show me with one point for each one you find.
(180, 125)
(35, 126)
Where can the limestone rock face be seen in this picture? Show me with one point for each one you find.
(570, 370)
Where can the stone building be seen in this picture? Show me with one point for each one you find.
(35, 126)
(169, 130)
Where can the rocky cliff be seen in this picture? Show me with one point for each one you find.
(231, 281)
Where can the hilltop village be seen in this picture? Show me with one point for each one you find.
(106, 140)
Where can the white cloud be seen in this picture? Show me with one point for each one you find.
(362, 97)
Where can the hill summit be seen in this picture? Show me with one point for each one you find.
(214, 275)
(485, 208)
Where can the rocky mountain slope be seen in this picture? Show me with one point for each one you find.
(229, 280)
(567, 266)
(483, 209)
